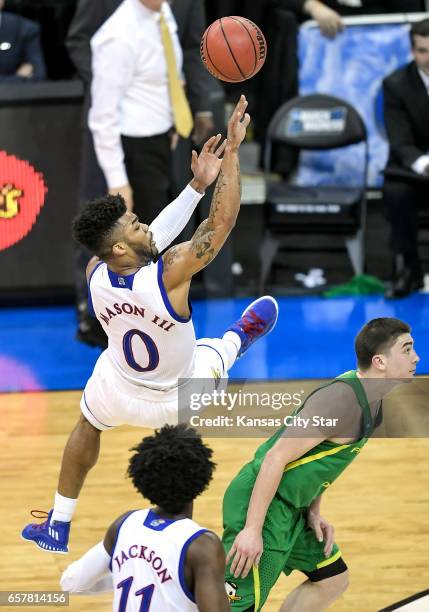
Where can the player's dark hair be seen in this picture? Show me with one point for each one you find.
(171, 467)
(378, 336)
(420, 28)
(93, 227)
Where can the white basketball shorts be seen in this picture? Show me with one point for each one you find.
(109, 400)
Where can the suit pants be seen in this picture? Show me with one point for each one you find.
(148, 165)
(402, 200)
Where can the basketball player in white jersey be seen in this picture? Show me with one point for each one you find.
(159, 559)
(142, 302)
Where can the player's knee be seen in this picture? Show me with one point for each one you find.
(334, 586)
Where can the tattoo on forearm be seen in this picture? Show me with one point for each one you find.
(202, 240)
(220, 186)
(239, 175)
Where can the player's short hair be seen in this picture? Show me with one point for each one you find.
(171, 467)
(419, 28)
(94, 226)
(378, 336)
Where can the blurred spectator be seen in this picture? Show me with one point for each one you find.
(406, 114)
(327, 13)
(151, 180)
(21, 57)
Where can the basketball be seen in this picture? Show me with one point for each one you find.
(233, 49)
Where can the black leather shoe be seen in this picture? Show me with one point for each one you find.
(405, 283)
(90, 332)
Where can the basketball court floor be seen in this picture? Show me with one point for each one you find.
(379, 506)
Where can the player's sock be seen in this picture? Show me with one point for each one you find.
(232, 344)
(64, 508)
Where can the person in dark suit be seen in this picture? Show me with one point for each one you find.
(406, 187)
(89, 17)
(21, 57)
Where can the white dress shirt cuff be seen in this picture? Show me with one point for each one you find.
(420, 164)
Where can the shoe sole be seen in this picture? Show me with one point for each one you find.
(55, 552)
(265, 297)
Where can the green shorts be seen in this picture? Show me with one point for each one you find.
(289, 544)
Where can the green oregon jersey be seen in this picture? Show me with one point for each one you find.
(307, 477)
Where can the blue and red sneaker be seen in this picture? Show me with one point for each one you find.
(257, 321)
(49, 536)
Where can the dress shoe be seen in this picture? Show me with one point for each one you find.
(406, 281)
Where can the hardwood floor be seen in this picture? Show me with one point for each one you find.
(379, 506)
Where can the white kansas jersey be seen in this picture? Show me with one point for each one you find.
(148, 564)
(148, 342)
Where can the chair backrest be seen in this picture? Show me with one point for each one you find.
(316, 121)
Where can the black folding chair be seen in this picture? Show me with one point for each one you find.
(314, 122)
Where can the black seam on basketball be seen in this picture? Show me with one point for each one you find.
(204, 43)
(230, 50)
(212, 62)
(251, 40)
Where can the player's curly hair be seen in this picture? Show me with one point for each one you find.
(171, 467)
(93, 227)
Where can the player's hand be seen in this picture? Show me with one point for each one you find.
(126, 192)
(206, 165)
(238, 123)
(245, 552)
(328, 20)
(203, 127)
(323, 530)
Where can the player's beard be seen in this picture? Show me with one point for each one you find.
(147, 254)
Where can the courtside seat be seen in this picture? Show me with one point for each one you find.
(315, 122)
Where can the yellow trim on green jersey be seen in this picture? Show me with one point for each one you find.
(331, 451)
(257, 587)
(330, 560)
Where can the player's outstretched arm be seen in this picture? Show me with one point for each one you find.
(247, 548)
(174, 217)
(205, 561)
(184, 260)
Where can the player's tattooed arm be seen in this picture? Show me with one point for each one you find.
(186, 259)
(202, 243)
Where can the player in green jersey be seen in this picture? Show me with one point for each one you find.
(271, 510)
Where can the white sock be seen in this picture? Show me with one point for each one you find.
(232, 344)
(64, 508)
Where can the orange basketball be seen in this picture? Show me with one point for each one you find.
(233, 49)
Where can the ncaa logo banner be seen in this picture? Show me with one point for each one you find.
(22, 195)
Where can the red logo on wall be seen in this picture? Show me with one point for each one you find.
(22, 195)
